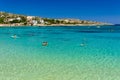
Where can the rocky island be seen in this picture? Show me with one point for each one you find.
(9, 19)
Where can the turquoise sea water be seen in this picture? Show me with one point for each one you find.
(72, 53)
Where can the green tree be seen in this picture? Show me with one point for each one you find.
(23, 18)
(1, 20)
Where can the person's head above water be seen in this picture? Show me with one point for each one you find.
(14, 36)
(44, 43)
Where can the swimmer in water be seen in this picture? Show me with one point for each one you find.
(44, 43)
(14, 36)
(82, 44)
(98, 26)
(111, 30)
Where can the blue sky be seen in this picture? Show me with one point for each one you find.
(96, 10)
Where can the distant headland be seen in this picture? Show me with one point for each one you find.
(117, 24)
(9, 19)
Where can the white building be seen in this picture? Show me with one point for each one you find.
(2, 16)
(18, 18)
(66, 20)
(30, 18)
(35, 22)
(10, 19)
(42, 21)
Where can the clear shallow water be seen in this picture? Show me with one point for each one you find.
(73, 53)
